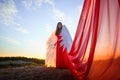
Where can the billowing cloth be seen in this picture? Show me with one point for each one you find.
(97, 37)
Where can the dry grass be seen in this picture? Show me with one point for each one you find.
(38, 72)
(34, 73)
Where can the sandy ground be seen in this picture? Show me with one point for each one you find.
(34, 73)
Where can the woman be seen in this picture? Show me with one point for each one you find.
(59, 49)
(58, 46)
(60, 53)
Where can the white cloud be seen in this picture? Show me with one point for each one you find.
(36, 4)
(10, 40)
(21, 29)
(32, 4)
(39, 3)
(8, 12)
(59, 15)
(27, 3)
(8, 15)
(50, 2)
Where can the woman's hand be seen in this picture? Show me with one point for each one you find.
(55, 44)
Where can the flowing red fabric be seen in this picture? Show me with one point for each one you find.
(97, 38)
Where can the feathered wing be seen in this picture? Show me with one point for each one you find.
(50, 60)
(66, 38)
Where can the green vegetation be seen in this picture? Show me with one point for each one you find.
(6, 62)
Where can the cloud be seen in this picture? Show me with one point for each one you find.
(50, 2)
(21, 29)
(32, 4)
(10, 40)
(8, 15)
(27, 3)
(36, 4)
(59, 15)
(8, 12)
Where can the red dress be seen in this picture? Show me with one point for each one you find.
(60, 54)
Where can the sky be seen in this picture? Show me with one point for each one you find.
(25, 25)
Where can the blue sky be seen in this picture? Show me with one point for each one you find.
(25, 25)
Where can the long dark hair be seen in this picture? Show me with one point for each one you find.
(58, 30)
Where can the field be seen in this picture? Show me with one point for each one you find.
(7, 62)
(22, 68)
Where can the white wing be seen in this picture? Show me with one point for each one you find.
(50, 60)
(66, 38)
